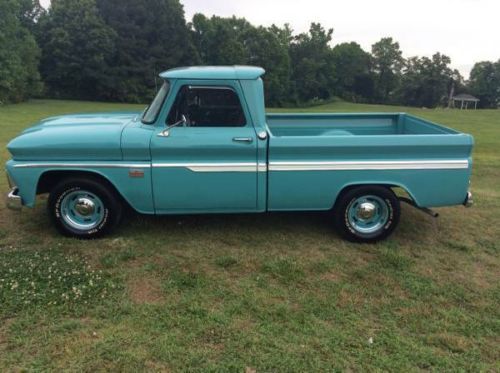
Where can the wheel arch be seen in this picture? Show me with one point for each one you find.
(50, 178)
(389, 185)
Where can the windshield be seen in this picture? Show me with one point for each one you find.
(152, 111)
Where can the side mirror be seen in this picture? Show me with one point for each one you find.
(166, 131)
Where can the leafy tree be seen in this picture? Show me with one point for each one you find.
(354, 80)
(19, 55)
(485, 83)
(115, 49)
(426, 81)
(234, 41)
(29, 13)
(284, 34)
(152, 36)
(313, 71)
(387, 65)
(265, 49)
(77, 47)
(219, 40)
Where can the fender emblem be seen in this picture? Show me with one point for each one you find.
(135, 172)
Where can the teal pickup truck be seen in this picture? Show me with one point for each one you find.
(206, 145)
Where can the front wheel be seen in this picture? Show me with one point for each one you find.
(367, 213)
(84, 208)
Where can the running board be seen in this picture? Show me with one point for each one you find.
(428, 211)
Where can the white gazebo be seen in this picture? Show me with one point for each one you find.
(465, 100)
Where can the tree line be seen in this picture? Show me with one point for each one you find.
(113, 50)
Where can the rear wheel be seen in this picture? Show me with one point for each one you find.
(84, 208)
(367, 213)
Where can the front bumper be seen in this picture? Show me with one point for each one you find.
(14, 201)
(469, 201)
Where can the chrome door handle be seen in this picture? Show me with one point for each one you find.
(243, 139)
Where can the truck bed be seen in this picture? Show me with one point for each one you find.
(312, 157)
(351, 125)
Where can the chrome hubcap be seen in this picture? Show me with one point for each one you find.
(84, 206)
(366, 210)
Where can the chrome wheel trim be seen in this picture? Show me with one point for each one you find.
(368, 214)
(82, 210)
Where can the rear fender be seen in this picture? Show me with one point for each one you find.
(391, 186)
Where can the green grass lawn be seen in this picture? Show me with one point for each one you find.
(277, 292)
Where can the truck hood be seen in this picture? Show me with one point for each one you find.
(73, 137)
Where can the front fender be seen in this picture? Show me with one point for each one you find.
(131, 179)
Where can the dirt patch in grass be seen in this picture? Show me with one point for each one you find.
(4, 329)
(333, 276)
(146, 290)
(422, 311)
(477, 271)
(350, 298)
(155, 366)
(449, 342)
(243, 324)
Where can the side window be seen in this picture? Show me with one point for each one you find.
(207, 107)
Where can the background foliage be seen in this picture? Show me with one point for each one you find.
(19, 53)
(113, 50)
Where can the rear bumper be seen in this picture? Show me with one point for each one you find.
(469, 201)
(14, 201)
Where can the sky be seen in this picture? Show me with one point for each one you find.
(467, 31)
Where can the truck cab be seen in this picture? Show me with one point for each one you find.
(207, 147)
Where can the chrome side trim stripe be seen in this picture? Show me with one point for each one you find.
(262, 167)
(370, 165)
(82, 165)
(273, 166)
(211, 167)
(196, 167)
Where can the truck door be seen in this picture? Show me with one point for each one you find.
(208, 162)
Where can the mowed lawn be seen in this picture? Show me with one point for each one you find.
(275, 292)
